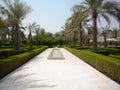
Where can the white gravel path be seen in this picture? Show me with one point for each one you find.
(69, 74)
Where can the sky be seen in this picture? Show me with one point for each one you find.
(52, 14)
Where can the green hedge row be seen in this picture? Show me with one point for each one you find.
(108, 51)
(103, 52)
(11, 63)
(105, 64)
(7, 53)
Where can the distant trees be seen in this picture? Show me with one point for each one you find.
(38, 35)
(77, 31)
(12, 13)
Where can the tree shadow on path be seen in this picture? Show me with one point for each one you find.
(22, 81)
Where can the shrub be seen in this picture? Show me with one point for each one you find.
(11, 63)
(103, 52)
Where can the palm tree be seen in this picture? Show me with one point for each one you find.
(3, 26)
(68, 27)
(115, 32)
(22, 36)
(96, 8)
(31, 28)
(80, 20)
(2, 22)
(38, 34)
(105, 31)
(16, 11)
(118, 17)
(89, 35)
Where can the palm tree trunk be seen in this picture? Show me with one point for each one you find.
(74, 39)
(94, 15)
(88, 43)
(12, 34)
(16, 37)
(37, 41)
(70, 41)
(105, 42)
(30, 38)
(119, 30)
(80, 35)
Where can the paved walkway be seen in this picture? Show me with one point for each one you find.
(68, 74)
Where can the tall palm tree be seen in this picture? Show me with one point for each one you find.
(3, 26)
(96, 8)
(79, 20)
(115, 32)
(16, 11)
(2, 22)
(38, 34)
(89, 35)
(105, 31)
(31, 28)
(118, 17)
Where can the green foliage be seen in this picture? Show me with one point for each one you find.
(9, 64)
(47, 41)
(5, 42)
(107, 65)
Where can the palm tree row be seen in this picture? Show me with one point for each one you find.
(92, 10)
(11, 16)
(40, 34)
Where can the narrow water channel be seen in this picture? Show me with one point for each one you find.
(56, 54)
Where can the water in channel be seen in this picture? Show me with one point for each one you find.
(56, 54)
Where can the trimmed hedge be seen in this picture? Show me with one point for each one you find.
(7, 53)
(60, 46)
(11, 63)
(103, 52)
(108, 51)
(107, 65)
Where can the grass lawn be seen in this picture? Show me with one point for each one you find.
(106, 64)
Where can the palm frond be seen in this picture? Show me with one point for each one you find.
(106, 17)
(16, 10)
